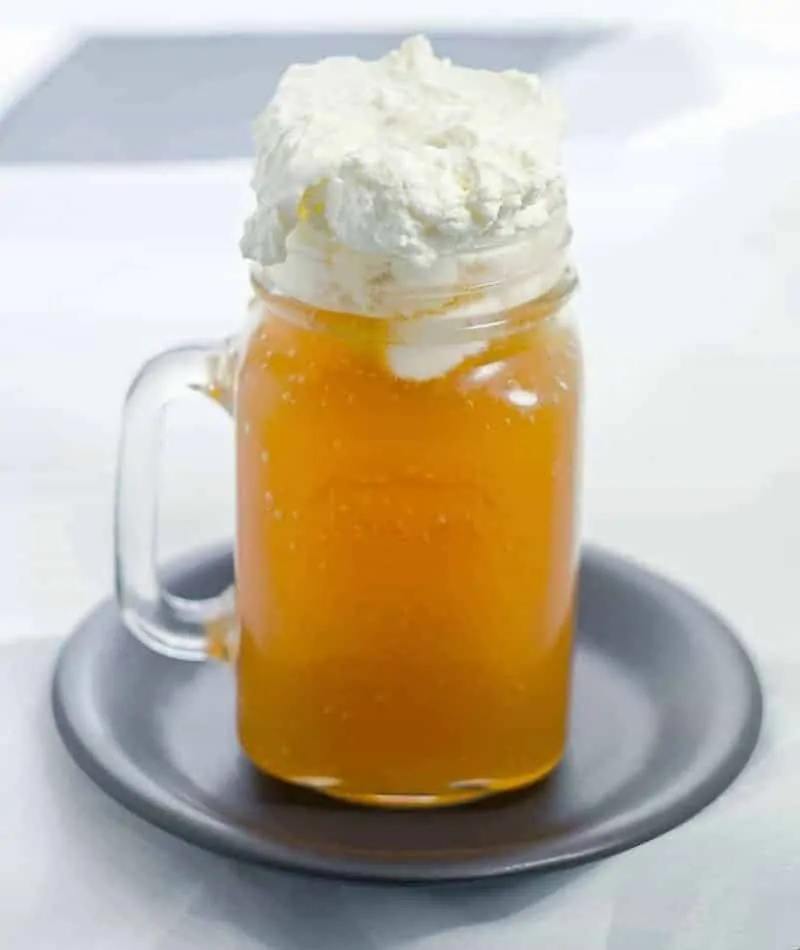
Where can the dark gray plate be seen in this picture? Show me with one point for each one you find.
(667, 711)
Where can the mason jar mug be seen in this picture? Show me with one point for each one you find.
(405, 542)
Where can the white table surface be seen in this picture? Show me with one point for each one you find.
(686, 203)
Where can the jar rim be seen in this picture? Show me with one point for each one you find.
(481, 281)
(478, 280)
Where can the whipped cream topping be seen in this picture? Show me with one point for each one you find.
(408, 186)
(409, 156)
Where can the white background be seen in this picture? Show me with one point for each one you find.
(686, 202)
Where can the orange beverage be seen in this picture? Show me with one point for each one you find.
(405, 555)
(406, 406)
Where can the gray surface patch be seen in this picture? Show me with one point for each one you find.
(173, 98)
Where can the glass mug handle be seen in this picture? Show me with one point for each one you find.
(178, 627)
